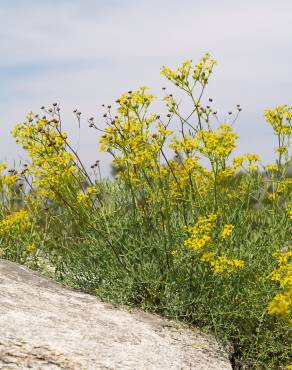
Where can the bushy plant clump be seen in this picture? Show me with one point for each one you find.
(182, 230)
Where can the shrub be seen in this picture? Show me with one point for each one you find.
(182, 230)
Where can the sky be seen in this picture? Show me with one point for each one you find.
(85, 53)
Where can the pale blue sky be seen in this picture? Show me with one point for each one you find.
(84, 53)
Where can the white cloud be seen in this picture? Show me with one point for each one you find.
(86, 54)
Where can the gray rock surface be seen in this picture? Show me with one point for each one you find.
(44, 325)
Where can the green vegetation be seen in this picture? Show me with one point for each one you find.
(208, 244)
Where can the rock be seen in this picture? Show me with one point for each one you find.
(44, 325)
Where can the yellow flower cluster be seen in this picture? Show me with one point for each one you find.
(201, 241)
(52, 166)
(271, 168)
(279, 188)
(187, 144)
(15, 223)
(137, 140)
(3, 167)
(128, 133)
(201, 233)
(52, 173)
(31, 248)
(282, 303)
(190, 176)
(290, 212)
(91, 190)
(199, 72)
(84, 197)
(224, 265)
(280, 119)
(134, 101)
(219, 143)
(251, 159)
(9, 180)
(131, 140)
(227, 231)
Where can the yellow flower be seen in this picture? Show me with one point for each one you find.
(252, 159)
(218, 143)
(200, 233)
(82, 198)
(207, 256)
(283, 273)
(282, 150)
(15, 222)
(91, 190)
(3, 167)
(271, 167)
(224, 265)
(187, 72)
(227, 231)
(290, 212)
(31, 248)
(9, 179)
(281, 304)
(280, 119)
